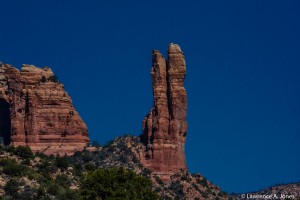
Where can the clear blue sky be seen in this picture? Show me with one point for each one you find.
(243, 74)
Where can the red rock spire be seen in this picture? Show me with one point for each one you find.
(165, 127)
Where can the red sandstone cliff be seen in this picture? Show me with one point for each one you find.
(165, 127)
(36, 111)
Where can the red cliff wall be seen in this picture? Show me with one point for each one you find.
(41, 112)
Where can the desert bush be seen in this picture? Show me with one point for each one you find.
(53, 189)
(46, 167)
(12, 168)
(43, 79)
(177, 188)
(24, 152)
(11, 188)
(116, 183)
(96, 144)
(69, 195)
(195, 186)
(90, 167)
(53, 79)
(86, 156)
(62, 162)
(63, 180)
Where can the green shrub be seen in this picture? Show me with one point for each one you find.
(26, 161)
(195, 186)
(204, 195)
(146, 172)
(222, 194)
(135, 159)
(44, 79)
(62, 162)
(12, 168)
(46, 167)
(96, 144)
(40, 154)
(53, 79)
(63, 180)
(24, 152)
(177, 188)
(202, 182)
(86, 156)
(33, 176)
(10, 149)
(11, 188)
(78, 169)
(6, 161)
(116, 183)
(159, 181)
(53, 189)
(44, 178)
(27, 192)
(90, 167)
(69, 195)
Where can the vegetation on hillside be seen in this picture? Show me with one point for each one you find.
(112, 171)
(25, 175)
(116, 183)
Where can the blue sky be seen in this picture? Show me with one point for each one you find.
(243, 69)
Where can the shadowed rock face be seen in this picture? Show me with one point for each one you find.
(39, 113)
(4, 122)
(165, 127)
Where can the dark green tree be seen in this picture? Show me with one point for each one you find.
(24, 152)
(44, 79)
(116, 183)
(96, 143)
(62, 162)
(53, 79)
(12, 168)
(11, 188)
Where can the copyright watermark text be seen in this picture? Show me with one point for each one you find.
(267, 196)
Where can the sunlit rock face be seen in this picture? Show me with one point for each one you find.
(165, 127)
(37, 111)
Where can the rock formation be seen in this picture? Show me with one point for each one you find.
(165, 127)
(36, 111)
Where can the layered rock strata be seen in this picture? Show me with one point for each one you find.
(165, 127)
(38, 112)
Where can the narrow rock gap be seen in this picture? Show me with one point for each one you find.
(5, 122)
(168, 94)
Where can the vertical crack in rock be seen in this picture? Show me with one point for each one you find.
(165, 127)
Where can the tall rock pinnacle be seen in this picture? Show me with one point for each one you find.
(165, 127)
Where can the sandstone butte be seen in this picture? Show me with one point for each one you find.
(165, 127)
(35, 110)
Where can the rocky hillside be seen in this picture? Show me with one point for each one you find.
(24, 175)
(37, 176)
(284, 191)
(124, 151)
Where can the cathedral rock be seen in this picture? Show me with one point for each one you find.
(165, 127)
(36, 111)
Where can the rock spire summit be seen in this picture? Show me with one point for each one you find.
(165, 127)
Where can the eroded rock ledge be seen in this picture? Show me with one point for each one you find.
(38, 112)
